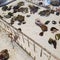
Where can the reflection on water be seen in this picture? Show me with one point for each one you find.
(47, 2)
(5, 2)
(2, 1)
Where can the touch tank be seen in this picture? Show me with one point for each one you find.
(30, 23)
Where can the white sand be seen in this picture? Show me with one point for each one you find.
(15, 54)
(32, 30)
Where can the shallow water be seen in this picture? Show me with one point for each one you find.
(14, 54)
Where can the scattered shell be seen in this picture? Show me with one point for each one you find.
(54, 22)
(52, 11)
(7, 16)
(51, 41)
(57, 36)
(33, 9)
(44, 13)
(24, 22)
(28, 16)
(4, 8)
(13, 20)
(41, 34)
(23, 10)
(41, 25)
(55, 3)
(19, 23)
(9, 13)
(16, 7)
(47, 22)
(1, 17)
(20, 18)
(20, 4)
(9, 8)
(4, 55)
(44, 28)
(53, 29)
(19, 29)
(59, 22)
(57, 13)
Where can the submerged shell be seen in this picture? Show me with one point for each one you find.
(53, 29)
(4, 55)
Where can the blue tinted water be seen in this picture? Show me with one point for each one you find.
(2, 1)
(47, 2)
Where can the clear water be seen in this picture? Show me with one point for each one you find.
(2, 1)
(47, 2)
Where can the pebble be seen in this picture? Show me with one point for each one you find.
(57, 13)
(7, 16)
(28, 16)
(54, 22)
(47, 22)
(53, 29)
(19, 29)
(19, 23)
(24, 22)
(59, 22)
(41, 34)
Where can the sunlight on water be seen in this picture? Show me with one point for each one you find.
(2, 1)
(47, 2)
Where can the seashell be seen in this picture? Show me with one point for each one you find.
(53, 29)
(4, 55)
(57, 36)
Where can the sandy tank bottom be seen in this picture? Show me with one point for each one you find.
(15, 54)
